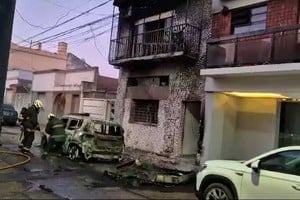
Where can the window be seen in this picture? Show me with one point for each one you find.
(249, 20)
(285, 162)
(75, 124)
(65, 121)
(144, 111)
(164, 81)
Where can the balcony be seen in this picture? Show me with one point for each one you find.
(275, 46)
(180, 41)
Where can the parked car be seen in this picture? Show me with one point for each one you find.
(273, 175)
(91, 138)
(10, 115)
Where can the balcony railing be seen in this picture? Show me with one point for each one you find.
(184, 39)
(274, 46)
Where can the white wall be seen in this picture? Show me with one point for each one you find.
(220, 120)
(97, 108)
(256, 126)
(61, 81)
(43, 82)
(73, 78)
(238, 128)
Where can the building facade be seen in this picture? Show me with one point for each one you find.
(24, 62)
(252, 78)
(159, 47)
(73, 91)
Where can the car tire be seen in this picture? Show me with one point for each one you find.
(74, 152)
(217, 191)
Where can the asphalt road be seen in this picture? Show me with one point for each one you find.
(60, 178)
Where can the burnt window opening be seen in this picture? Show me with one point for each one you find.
(144, 111)
(249, 20)
(164, 81)
(132, 82)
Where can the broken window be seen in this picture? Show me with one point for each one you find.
(144, 111)
(164, 81)
(132, 82)
(65, 121)
(75, 124)
(249, 20)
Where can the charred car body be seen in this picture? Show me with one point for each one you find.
(89, 138)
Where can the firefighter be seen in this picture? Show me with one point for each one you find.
(21, 118)
(31, 125)
(55, 128)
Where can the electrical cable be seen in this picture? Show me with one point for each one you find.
(55, 36)
(67, 21)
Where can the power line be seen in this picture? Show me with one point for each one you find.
(74, 9)
(27, 22)
(95, 42)
(55, 36)
(67, 21)
(75, 35)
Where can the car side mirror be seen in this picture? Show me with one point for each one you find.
(255, 166)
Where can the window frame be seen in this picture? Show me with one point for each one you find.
(238, 13)
(133, 112)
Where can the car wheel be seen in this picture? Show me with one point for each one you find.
(217, 191)
(74, 152)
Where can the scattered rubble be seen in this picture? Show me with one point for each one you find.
(136, 172)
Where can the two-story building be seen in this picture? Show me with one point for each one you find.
(159, 47)
(252, 78)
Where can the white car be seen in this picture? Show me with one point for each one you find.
(273, 175)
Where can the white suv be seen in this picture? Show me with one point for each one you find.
(273, 175)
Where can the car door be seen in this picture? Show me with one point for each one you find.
(278, 178)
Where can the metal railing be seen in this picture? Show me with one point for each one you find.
(180, 38)
(281, 45)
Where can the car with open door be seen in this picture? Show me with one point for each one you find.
(273, 175)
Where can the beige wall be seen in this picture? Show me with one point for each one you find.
(35, 60)
(238, 128)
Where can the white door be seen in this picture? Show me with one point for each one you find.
(278, 178)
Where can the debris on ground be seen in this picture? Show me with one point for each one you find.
(136, 172)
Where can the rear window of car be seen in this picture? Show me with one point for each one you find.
(8, 107)
(105, 129)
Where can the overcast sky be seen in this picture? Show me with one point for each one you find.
(42, 14)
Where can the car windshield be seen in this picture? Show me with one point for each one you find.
(8, 107)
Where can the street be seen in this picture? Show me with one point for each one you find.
(60, 178)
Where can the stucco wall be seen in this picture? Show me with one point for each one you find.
(35, 60)
(185, 84)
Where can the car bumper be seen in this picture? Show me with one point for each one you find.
(10, 119)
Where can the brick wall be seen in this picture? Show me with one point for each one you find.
(221, 25)
(282, 13)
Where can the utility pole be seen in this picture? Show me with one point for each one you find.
(7, 10)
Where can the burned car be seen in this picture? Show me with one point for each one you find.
(92, 138)
(89, 138)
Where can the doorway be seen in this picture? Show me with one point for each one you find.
(289, 129)
(75, 104)
(191, 128)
